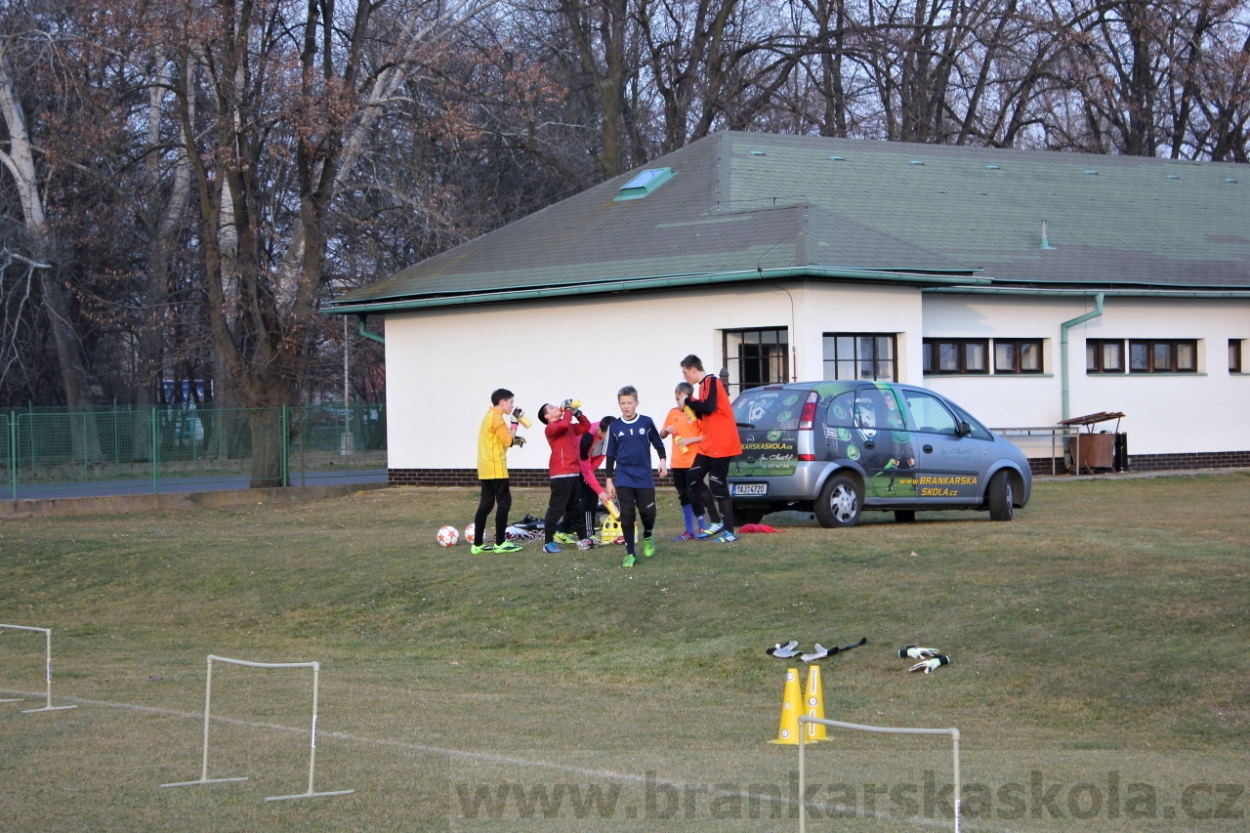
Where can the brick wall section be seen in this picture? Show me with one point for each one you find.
(1164, 462)
(462, 477)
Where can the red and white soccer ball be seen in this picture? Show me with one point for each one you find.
(468, 533)
(448, 536)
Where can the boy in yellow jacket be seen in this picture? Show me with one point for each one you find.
(497, 435)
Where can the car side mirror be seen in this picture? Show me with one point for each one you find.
(964, 429)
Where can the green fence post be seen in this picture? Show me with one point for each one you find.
(14, 457)
(153, 433)
(286, 449)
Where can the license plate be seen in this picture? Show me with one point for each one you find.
(750, 489)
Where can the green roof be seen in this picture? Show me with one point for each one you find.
(749, 206)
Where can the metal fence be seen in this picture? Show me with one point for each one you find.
(103, 451)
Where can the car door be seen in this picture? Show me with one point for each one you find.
(948, 462)
(885, 444)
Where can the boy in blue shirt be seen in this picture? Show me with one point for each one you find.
(629, 477)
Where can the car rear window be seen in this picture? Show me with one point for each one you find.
(766, 408)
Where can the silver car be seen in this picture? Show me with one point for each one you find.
(840, 448)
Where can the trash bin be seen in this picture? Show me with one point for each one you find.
(1095, 451)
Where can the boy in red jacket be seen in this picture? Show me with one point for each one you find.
(565, 426)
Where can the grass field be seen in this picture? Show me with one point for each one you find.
(1100, 675)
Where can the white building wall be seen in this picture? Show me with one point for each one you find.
(1166, 413)
(441, 365)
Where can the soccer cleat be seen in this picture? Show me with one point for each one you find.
(552, 547)
(629, 560)
(648, 546)
(587, 544)
(565, 538)
(711, 532)
(507, 547)
(476, 550)
(685, 536)
(725, 537)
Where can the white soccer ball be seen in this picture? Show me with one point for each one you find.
(468, 534)
(448, 536)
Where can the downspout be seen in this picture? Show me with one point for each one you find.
(1063, 346)
(366, 334)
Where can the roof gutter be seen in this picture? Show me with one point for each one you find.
(379, 339)
(666, 282)
(1060, 293)
(1064, 370)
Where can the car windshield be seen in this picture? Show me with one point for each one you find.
(769, 408)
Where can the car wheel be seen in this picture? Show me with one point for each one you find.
(840, 502)
(1000, 497)
(905, 516)
(748, 514)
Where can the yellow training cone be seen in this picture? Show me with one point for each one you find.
(790, 705)
(814, 705)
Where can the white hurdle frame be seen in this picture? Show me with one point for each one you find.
(952, 732)
(47, 672)
(208, 705)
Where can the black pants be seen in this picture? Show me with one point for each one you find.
(681, 479)
(588, 508)
(639, 503)
(715, 493)
(566, 502)
(494, 493)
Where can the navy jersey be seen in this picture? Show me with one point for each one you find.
(630, 444)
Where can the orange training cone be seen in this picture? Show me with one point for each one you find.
(788, 732)
(814, 705)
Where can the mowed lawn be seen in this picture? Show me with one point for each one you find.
(1100, 672)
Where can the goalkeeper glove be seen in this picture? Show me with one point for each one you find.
(929, 664)
(518, 441)
(912, 652)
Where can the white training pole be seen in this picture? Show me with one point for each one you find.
(952, 732)
(208, 698)
(47, 672)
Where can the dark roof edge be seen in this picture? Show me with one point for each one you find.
(659, 282)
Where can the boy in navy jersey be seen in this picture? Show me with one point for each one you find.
(629, 476)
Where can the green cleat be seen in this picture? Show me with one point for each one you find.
(565, 538)
(507, 547)
(648, 546)
(476, 550)
(629, 560)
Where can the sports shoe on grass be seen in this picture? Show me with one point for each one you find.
(506, 547)
(685, 536)
(629, 560)
(565, 538)
(476, 550)
(711, 532)
(725, 538)
(648, 546)
(587, 544)
(552, 547)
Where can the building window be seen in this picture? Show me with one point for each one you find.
(860, 356)
(1104, 356)
(956, 355)
(756, 357)
(1163, 356)
(1017, 355)
(1234, 355)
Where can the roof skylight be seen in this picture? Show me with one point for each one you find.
(644, 183)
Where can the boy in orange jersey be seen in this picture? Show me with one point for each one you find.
(720, 444)
(686, 430)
